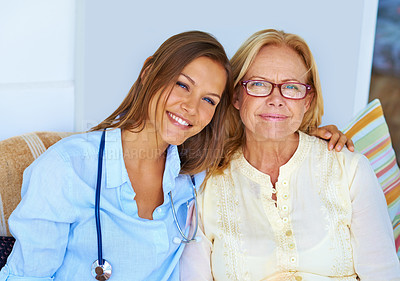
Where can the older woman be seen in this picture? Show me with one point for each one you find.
(284, 207)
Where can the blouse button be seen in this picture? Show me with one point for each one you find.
(285, 182)
(285, 219)
(285, 208)
(285, 196)
(289, 233)
(298, 278)
(293, 259)
(291, 246)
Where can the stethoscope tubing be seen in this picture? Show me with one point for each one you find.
(97, 200)
(185, 238)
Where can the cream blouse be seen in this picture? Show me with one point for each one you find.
(330, 222)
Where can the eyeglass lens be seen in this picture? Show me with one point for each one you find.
(288, 90)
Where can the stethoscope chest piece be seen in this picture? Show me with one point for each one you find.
(101, 272)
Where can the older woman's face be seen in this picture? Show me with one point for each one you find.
(273, 117)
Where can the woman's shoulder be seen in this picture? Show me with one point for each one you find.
(320, 153)
(215, 182)
(235, 161)
(78, 142)
(71, 157)
(321, 146)
(69, 149)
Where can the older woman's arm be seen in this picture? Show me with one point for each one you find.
(371, 230)
(195, 262)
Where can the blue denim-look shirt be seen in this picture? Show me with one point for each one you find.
(55, 226)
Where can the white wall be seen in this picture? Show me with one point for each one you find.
(118, 36)
(67, 64)
(36, 66)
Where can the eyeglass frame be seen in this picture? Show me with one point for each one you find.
(279, 86)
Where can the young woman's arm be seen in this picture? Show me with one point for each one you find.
(337, 140)
(41, 221)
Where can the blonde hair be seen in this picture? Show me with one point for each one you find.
(241, 63)
(159, 72)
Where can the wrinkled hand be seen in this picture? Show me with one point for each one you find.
(336, 138)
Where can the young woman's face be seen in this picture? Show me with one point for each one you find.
(191, 104)
(273, 117)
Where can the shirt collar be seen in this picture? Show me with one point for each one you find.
(172, 168)
(115, 170)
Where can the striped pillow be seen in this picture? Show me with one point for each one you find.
(370, 135)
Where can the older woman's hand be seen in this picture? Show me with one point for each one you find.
(336, 138)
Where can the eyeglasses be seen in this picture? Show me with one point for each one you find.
(290, 90)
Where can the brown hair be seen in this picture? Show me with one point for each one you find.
(159, 72)
(242, 61)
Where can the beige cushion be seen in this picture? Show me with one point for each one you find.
(16, 154)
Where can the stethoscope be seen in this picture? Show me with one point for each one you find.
(102, 269)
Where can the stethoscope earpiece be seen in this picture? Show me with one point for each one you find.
(178, 240)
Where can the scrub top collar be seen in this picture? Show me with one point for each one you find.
(113, 161)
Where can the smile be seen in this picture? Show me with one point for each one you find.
(274, 117)
(179, 120)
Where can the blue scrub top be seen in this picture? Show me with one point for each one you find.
(55, 226)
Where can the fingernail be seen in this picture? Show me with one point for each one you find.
(328, 135)
(338, 147)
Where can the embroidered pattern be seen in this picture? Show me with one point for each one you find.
(334, 217)
(337, 208)
(230, 229)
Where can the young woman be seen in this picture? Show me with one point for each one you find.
(163, 132)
